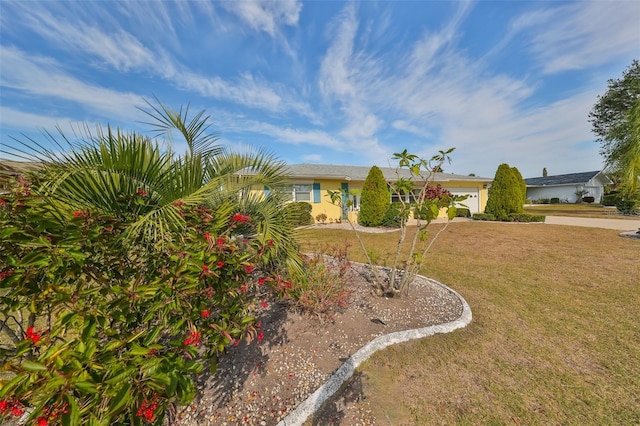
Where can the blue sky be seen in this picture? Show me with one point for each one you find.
(328, 81)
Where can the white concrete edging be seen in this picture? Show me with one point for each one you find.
(313, 403)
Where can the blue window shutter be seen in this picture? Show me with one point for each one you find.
(267, 191)
(316, 192)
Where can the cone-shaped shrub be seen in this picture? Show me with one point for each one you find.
(505, 194)
(523, 187)
(375, 199)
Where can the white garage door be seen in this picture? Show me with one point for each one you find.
(473, 199)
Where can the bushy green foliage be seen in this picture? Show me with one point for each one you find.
(628, 206)
(106, 332)
(463, 212)
(611, 199)
(394, 215)
(615, 120)
(483, 216)
(298, 213)
(523, 184)
(524, 217)
(505, 194)
(375, 199)
(554, 200)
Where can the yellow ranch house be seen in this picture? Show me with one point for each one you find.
(310, 182)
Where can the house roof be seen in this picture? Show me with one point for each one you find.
(359, 173)
(568, 179)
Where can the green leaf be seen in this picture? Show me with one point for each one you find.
(122, 397)
(72, 416)
(87, 387)
(451, 212)
(33, 366)
(89, 328)
(138, 350)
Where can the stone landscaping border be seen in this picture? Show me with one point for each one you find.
(313, 403)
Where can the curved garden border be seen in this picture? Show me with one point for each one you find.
(313, 403)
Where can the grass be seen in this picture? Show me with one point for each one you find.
(578, 210)
(555, 337)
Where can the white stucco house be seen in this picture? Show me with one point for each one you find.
(565, 187)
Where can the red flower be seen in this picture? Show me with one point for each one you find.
(142, 192)
(178, 203)
(243, 288)
(221, 242)
(108, 228)
(261, 281)
(4, 406)
(260, 336)
(207, 236)
(220, 264)
(248, 269)
(17, 411)
(32, 335)
(269, 243)
(147, 408)
(3, 203)
(80, 213)
(205, 268)
(205, 314)
(240, 218)
(264, 304)
(42, 421)
(5, 274)
(193, 339)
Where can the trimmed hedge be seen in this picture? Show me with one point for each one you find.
(483, 216)
(523, 217)
(555, 200)
(299, 213)
(374, 199)
(514, 217)
(462, 212)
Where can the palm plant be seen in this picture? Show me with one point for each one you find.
(134, 176)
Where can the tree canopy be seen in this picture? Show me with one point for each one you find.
(615, 122)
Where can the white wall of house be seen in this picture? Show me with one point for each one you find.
(566, 193)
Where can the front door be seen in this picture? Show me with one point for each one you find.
(345, 199)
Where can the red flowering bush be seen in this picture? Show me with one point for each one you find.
(106, 331)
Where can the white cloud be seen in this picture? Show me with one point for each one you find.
(40, 76)
(312, 158)
(583, 34)
(264, 15)
(406, 126)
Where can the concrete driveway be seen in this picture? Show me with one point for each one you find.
(617, 224)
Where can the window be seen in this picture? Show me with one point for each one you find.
(302, 192)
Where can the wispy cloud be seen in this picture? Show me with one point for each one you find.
(123, 52)
(266, 16)
(45, 77)
(582, 34)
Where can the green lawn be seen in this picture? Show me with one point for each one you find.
(555, 337)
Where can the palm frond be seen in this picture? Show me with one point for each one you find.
(195, 131)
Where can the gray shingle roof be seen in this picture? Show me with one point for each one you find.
(359, 173)
(568, 179)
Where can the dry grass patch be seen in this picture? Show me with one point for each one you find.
(555, 337)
